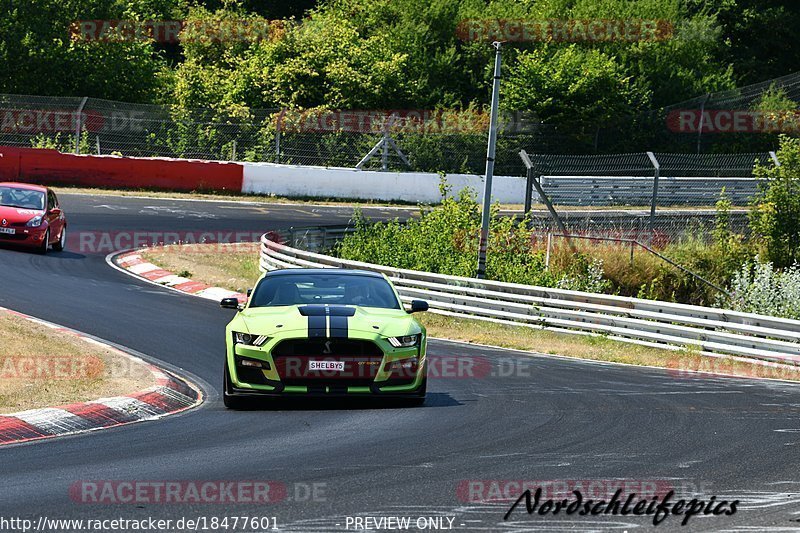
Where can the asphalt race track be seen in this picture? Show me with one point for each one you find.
(544, 420)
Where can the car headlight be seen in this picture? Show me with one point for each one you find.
(248, 339)
(406, 341)
(35, 222)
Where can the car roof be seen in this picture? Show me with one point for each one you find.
(323, 271)
(29, 186)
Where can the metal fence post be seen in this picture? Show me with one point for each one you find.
(233, 151)
(702, 117)
(528, 189)
(656, 176)
(385, 152)
(547, 254)
(78, 124)
(278, 136)
(545, 200)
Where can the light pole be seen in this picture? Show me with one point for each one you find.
(487, 186)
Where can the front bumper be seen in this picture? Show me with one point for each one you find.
(376, 374)
(30, 237)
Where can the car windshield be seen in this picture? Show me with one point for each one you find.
(337, 289)
(22, 198)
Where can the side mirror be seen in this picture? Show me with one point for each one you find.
(249, 292)
(418, 306)
(55, 211)
(229, 303)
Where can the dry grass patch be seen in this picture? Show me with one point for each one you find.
(42, 367)
(597, 348)
(234, 267)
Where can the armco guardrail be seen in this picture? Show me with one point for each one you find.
(653, 323)
(638, 191)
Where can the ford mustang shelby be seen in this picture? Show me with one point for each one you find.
(324, 332)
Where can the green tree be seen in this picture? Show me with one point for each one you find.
(775, 217)
(39, 56)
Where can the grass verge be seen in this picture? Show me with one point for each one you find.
(42, 367)
(237, 269)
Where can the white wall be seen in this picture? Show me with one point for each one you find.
(293, 181)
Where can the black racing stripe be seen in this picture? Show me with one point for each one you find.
(313, 310)
(341, 310)
(339, 315)
(317, 320)
(338, 326)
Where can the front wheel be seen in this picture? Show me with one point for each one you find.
(45, 243)
(62, 241)
(230, 401)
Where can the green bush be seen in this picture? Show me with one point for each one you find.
(759, 288)
(444, 239)
(775, 217)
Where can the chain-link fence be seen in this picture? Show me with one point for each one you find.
(745, 119)
(640, 195)
(91, 125)
(724, 122)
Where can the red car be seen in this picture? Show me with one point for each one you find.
(30, 216)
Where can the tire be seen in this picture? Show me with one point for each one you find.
(418, 400)
(59, 245)
(45, 243)
(231, 402)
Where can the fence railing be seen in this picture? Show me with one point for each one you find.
(652, 323)
(658, 182)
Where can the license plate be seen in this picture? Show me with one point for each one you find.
(336, 366)
(8, 231)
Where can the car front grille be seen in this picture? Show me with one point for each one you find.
(361, 362)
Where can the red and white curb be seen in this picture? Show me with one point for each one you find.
(132, 262)
(169, 395)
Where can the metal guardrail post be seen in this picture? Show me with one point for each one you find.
(79, 124)
(654, 203)
(553, 213)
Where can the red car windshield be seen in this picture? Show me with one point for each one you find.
(22, 198)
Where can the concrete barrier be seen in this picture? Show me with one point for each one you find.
(293, 181)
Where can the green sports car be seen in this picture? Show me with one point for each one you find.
(324, 332)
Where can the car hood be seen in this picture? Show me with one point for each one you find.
(374, 320)
(15, 215)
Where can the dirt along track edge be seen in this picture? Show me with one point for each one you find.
(172, 394)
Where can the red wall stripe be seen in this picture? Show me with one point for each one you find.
(50, 167)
